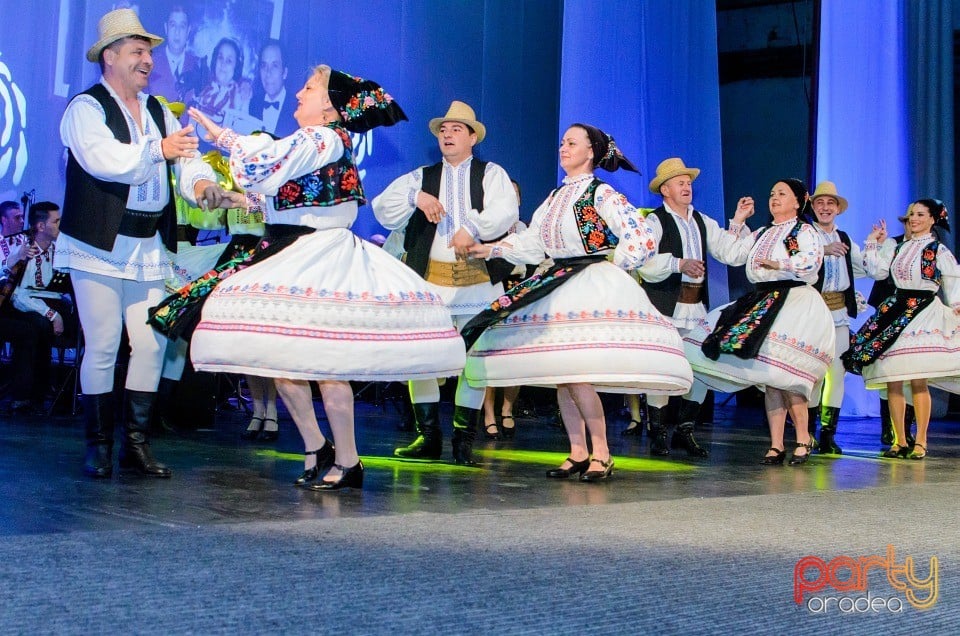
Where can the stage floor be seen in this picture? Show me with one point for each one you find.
(219, 479)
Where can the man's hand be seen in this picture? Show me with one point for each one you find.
(745, 209)
(692, 267)
(26, 252)
(57, 324)
(431, 206)
(180, 144)
(233, 199)
(461, 244)
(835, 249)
(209, 195)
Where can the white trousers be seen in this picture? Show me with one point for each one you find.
(104, 304)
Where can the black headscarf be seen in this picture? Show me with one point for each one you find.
(362, 104)
(606, 154)
(803, 197)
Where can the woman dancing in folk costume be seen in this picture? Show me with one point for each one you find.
(913, 336)
(598, 331)
(779, 337)
(329, 307)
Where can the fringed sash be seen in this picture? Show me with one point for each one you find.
(879, 333)
(527, 291)
(744, 324)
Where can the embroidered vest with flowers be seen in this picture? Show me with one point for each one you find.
(594, 233)
(928, 261)
(336, 182)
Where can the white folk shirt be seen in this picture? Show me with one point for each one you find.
(835, 278)
(397, 203)
(36, 275)
(139, 164)
(723, 245)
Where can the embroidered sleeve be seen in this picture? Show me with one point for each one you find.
(262, 164)
(500, 207)
(950, 276)
(395, 205)
(525, 246)
(730, 247)
(637, 243)
(877, 259)
(659, 267)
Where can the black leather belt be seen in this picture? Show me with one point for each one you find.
(139, 224)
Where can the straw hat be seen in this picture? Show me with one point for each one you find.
(670, 168)
(462, 113)
(120, 23)
(829, 189)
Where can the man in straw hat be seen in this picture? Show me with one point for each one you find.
(118, 222)
(445, 209)
(677, 284)
(842, 263)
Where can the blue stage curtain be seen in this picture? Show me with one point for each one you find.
(646, 73)
(929, 50)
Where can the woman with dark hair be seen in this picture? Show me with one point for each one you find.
(317, 303)
(913, 336)
(779, 337)
(226, 68)
(580, 323)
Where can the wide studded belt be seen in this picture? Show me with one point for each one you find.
(834, 300)
(458, 273)
(690, 293)
(139, 224)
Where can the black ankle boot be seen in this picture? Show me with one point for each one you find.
(135, 454)
(812, 417)
(658, 432)
(465, 422)
(688, 415)
(429, 443)
(828, 428)
(886, 424)
(98, 414)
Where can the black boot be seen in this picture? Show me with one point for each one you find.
(98, 411)
(658, 432)
(828, 428)
(684, 437)
(135, 452)
(812, 417)
(909, 420)
(429, 443)
(162, 420)
(886, 424)
(465, 421)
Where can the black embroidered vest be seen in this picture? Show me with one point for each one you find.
(664, 294)
(336, 182)
(849, 294)
(93, 209)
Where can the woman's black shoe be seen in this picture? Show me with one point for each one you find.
(774, 460)
(599, 475)
(635, 427)
(508, 431)
(325, 455)
(896, 451)
(252, 433)
(349, 478)
(575, 467)
(797, 460)
(269, 435)
(495, 435)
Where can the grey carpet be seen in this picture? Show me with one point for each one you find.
(710, 566)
